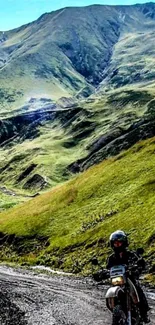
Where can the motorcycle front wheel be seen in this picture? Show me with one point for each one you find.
(118, 316)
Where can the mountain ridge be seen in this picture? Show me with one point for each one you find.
(31, 43)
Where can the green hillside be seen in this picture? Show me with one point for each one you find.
(44, 151)
(72, 51)
(77, 86)
(66, 227)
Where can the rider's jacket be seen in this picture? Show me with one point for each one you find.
(125, 258)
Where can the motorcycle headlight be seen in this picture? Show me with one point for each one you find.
(119, 280)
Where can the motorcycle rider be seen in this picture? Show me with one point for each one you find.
(119, 243)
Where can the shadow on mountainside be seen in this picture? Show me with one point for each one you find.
(113, 143)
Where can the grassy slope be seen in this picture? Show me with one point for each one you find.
(8, 201)
(62, 142)
(78, 216)
(55, 55)
(132, 61)
(47, 151)
(33, 67)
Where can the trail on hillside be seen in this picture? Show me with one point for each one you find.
(30, 299)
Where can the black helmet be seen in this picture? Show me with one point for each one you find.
(120, 237)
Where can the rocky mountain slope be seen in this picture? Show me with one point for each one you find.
(77, 86)
(74, 48)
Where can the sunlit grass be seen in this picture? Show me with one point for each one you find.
(79, 216)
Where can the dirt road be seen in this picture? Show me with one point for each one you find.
(30, 299)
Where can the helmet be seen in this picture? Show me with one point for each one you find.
(118, 240)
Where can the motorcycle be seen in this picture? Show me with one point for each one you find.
(122, 298)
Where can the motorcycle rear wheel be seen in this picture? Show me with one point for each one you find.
(118, 317)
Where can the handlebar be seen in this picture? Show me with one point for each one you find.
(101, 275)
(104, 274)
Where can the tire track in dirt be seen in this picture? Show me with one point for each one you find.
(30, 299)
